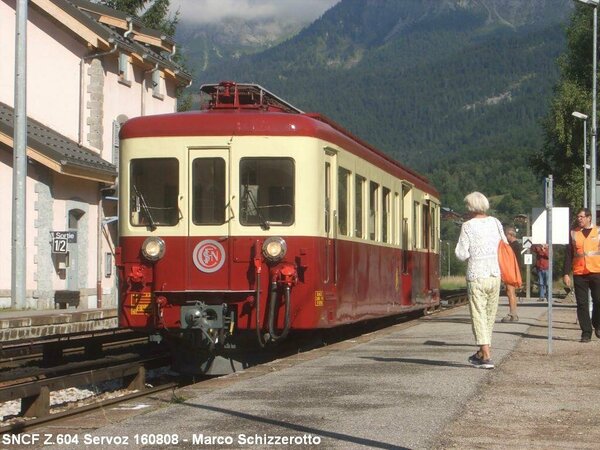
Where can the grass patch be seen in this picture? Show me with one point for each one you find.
(175, 398)
(453, 282)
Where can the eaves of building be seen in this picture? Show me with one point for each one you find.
(102, 28)
(58, 152)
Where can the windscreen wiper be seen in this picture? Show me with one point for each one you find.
(264, 224)
(145, 208)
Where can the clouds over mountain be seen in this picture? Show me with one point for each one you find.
(210, 11)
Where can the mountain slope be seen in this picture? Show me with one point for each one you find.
(434, 83)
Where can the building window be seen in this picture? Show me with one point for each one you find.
(124, 69)
(157, 85)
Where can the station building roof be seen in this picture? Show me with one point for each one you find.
(56, 151)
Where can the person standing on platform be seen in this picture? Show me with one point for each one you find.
(478, 245)
(541, 267)
(511, 291)
(583, 258)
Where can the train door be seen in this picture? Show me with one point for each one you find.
(330, 269)
(75, 219)
(434, 261)
(208, 244)
(426, 223)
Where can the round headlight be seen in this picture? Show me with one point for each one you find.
(153, 248)
(274, 249)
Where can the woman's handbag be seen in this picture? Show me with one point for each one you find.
(509, 267)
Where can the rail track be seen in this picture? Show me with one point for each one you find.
(34, 389)
(53, 348)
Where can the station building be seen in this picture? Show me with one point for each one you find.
(89, 69)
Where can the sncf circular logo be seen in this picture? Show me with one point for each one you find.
(209, 256)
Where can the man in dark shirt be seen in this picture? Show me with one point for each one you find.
(511, 236)
(541, 266)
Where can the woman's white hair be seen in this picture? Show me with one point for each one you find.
(477, 202)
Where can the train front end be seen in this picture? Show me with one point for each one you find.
(212, 247)
(250, 221)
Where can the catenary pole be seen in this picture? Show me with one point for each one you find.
(548, 195)
(593, 158)
(18, 255)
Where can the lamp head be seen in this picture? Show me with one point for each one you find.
(589, 2)
(579, 115)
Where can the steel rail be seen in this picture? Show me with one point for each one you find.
(24, 425)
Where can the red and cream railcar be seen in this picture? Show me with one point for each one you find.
(250, 220)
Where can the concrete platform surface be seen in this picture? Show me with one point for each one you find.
(408, 386)
(28, 324)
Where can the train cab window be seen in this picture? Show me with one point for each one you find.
(208, 191)
(343, 199)
(386, 215)
(267, 191)
(153, 191)
(373, 210)
(359, 197)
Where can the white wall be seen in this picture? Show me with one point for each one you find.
(53, 98)
(53, 57)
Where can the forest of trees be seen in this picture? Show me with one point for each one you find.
(448, 94)
(472, 103)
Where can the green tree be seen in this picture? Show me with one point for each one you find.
(562, 152)
(153, 13)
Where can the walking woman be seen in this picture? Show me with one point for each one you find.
(478, 245)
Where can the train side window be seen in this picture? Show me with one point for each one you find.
(415, 223)
(407, 229)
(327, 196)
(386, 216)
(397, 220)
(153, 192)
(426, 223)
(358, 205)
(373, 210)
(434, 227)
(208, 191)
(343, 199)
(267, 191)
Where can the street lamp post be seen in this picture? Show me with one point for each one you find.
(593, 169)
(585, 164)
(448, 252)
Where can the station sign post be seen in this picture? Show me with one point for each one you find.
(61, 241)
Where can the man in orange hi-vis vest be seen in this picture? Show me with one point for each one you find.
(583, 258)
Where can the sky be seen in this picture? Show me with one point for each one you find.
(197, 11)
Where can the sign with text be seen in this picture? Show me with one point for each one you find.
(560, 226)
(61, 239)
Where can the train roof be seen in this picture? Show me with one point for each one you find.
(250, 110)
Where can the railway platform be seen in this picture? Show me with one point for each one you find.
(407, 386)
(33, 324)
